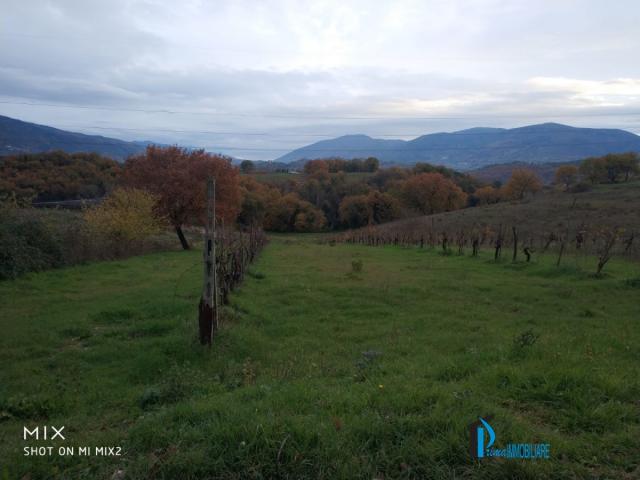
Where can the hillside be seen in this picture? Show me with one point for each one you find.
(478, 147)
(17, 136)
(614, 205)
(319, 371)
(502, 171)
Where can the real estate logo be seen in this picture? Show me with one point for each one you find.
(482, 436)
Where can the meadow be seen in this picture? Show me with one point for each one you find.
(340, 361)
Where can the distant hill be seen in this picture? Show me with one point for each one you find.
(502, 171)
(478, 147)
(17, 136)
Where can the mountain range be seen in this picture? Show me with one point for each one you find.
(17, 136)
(478, 147)
(463, 150)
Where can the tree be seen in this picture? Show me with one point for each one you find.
(620, 165)
(611, 167)
(371, 164)
(355, 211)
(387, 178)
(178, 178)
(629, 164)
(522, 183)
(487, 195)
(383, 207)
(247, 166)
(57, 175)
(566, 175)
(126, 216)
(593, 169)
(316, 166)
(256, 198)
(290, 213)
(430, 193)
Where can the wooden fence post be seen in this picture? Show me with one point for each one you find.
(208, 308)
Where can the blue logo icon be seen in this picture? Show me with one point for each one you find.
(482, 437)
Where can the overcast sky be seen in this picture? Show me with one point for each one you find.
(255, 79)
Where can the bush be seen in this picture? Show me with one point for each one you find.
(580, 187)
(125, 218)
(26, 245)
(33, 240)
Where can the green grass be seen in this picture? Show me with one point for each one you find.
(321, 371)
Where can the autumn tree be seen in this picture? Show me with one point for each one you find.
(256, 199)
(126, 216)
(56, 175)
(388, 178)
(355, 211)
(178, 176)
(290, 213)
(566, 175)
(383, 207)
(430, 193)
(522, 183)
(487, 195)
(316, 166)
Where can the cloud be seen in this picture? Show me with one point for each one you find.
(301, 70)
(615, 92)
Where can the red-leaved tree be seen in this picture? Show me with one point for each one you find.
(178, 178)
(430, 193)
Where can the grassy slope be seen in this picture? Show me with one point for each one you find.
(108, 350)
(616, 205)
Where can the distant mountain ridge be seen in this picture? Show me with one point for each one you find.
(17, 136)
(477, 147)
(468, 149)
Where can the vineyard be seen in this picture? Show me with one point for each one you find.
(235, 250)
(600, 224)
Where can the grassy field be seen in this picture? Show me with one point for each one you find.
(324, 371)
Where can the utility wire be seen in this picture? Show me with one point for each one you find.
(511, 131)
(315, 117)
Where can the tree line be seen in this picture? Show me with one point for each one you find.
(327, 197)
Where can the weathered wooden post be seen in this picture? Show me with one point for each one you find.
(208, 308)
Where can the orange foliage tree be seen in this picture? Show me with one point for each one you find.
(566, 175)
(522, 183)
(432, 193)
(487, 195)
(178, 178)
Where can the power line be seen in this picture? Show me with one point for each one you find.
(511, 131)
(316, 117)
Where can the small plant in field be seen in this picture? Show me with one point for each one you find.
(525, 339)
(248, 372)
(356, 266)
(366, 365)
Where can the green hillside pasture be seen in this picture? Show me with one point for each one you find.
(333, 362)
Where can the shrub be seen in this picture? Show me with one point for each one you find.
(125, 218)
(26, 245)
(580, 187)
(526, 339)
